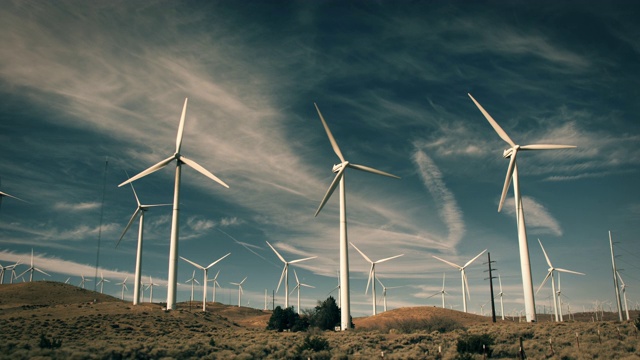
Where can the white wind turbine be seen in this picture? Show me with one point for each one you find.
(384, 292)
(372, 275)
(239, 285)
(101, 282)
(298, 285)
(465, 284)
(337, 288)
(215, 283)
(512, 173)
(345, 304)
(140, 211)
(31, 269)
(83, 281)
(124, 287)
(192, 280)
(13, 271)
(623, 288)
(150, 286)
(173, 248)
(550, 274)
(285, 273)
(204, 281)
(442, 292)
(501, 294)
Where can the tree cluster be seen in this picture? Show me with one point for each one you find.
(325, 316)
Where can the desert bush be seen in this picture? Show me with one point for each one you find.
(412, 325)
(475, 344)
(45, 343)
(313, 343)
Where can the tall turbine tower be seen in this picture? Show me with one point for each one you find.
(550, 274)
(140, 210)
(372, 276)
(345, 305)
(285, 273)
(173, 247)
(512, 172)
(465, 283)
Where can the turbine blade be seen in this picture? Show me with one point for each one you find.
(545, 254)
(133, 218)
(546, 147)
(154, 205)
(369, 279)
(309, 286)
(277, 253)
(181, 126)
(11, 196)
(300, 260)
(217, 261)
(334, 144)
(507, 179)
(493, 123)
(40, 271)
(245, 278)
(192, 263)
(466, 284)
(474, 259)
(372, 170)
(430, 296)
(202, 170)
(544, 281)
(389, 258)
(296, 275)
(448, 262)
(150, 170)
(332, 187)
(570, 271)
(361, 253)
(284, 269)
(381, 284)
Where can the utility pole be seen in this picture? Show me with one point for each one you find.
(493, 305)
(615, 278)
(273, 300)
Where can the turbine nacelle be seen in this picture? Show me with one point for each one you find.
(337, 167)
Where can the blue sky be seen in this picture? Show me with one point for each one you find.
(81, 83)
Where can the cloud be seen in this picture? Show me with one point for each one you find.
(83, 206)
(537, 217)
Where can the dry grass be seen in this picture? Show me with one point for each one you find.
(108, 328)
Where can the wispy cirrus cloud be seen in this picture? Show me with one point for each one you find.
(538, 219)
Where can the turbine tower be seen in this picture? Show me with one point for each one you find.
(101, 282)
(13, 271)
(173, 247)
(512, 173)
(465, 284)
(239, 285)
(500, 294)
(31, 269)
(372, 276)
(441, 292)
(384, 292)
(124, 287)
(553, 286)
(215, 283)
(285, 273)
(192, 280)
(204, 282)
(623, 288)
(150, 286)
(339, 169)
(297, 287)
(140, 210)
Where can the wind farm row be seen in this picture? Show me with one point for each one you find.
(344, 293)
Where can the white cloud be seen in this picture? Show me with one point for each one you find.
(537, 217)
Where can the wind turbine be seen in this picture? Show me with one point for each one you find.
(512, 172)
(1, 274)
(140, 211)
(337, 288)
(192, 280)
(215, 283)
(501, 294)
(442, 292)
(372, 275)
(553, 286)
(204, 282)
(465, 284)
(150, 286)
(31, 269)
(83, 281)
(124, 287)
(101, 282)
(173, 248)
(239, 285)
(285, 273)
(623, 287)
(384, 292)
(13, 271)
(298, 285)
(339, 169)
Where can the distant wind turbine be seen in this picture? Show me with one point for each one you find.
(83, 281)
(140, 211)
(124, 287)
(442, 292)
(285, 273)
(465, 284)
(239, 285)
(150, 286)
(512, 173)
(192, 281)
(204, 281)
(550, 274)
(372, 275)
(215, 283)
(339, 169)
(384, 292)
(501, 294)
(31, 269)
(623, 288)
(297, 287)
(101, 282)
(13, 271)
(337, 288)
(173, 248)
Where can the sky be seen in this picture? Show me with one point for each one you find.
(93, 91)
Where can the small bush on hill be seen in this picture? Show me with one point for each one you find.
(45, 343)
(475, 344)
(313, 343)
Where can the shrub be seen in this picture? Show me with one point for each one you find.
(326, 315)
(475, 344)
(313, 343)
(637, 322)
(286, 319)
(45, 343)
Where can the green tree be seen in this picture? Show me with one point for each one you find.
(286, 319)
(326, 315)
